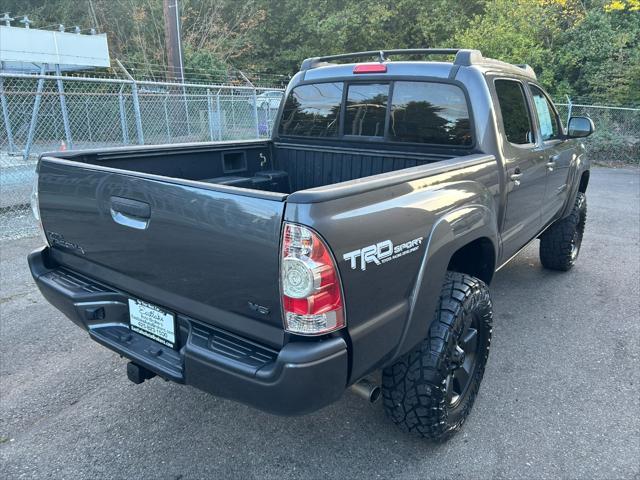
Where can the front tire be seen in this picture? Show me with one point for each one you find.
(431, 390)
(560, 244)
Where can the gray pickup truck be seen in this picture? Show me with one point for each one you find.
(360, 239)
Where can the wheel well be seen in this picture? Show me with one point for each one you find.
(476, 258)
(584, 181)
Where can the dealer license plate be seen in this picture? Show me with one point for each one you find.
(153, 322)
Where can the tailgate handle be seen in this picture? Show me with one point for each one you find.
(130, 213)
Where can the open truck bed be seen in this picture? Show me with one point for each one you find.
(166, 224)
(281, 167)
(141, 225)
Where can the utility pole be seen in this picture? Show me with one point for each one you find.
(172, 40)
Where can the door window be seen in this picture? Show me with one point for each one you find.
(547, 118)
(516, 120)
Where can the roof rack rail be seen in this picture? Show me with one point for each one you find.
(527, 68)
(463, 56)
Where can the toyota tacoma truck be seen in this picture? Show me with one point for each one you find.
(361, 238)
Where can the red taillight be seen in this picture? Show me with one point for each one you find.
(310, 284)
(370, 68)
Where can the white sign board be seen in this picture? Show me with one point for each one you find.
(30, 45)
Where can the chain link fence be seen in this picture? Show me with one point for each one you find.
(43, 113)
(46, 113)
(617, 135)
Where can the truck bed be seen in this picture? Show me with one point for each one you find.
(256, 165)
(196, 228)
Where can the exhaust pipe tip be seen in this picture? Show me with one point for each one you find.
(375, 394)
(368, 390)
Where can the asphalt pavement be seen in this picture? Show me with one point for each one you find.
(560, 397)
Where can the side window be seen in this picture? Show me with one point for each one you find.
(547, 118)
(366, 109)
(516, 120)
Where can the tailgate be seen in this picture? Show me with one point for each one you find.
(209, 253)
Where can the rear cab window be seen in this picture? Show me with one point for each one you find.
(435, 113)
(312, 110)
(366, 109)
(415, 112)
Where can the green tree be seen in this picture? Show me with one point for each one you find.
(577, 49)
(293, 30)
(600, 58)
(584, 48)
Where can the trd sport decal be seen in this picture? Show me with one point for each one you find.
(381, 252)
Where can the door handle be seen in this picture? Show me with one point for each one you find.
(130, 213)
(551, 164)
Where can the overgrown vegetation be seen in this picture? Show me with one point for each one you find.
(588, 49)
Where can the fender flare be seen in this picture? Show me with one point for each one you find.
(454, 230)
(582, 164)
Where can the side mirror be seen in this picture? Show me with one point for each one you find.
(580, 127)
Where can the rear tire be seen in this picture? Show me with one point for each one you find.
(560, 244)
(430, 391)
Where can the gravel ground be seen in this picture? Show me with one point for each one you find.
(560, 398)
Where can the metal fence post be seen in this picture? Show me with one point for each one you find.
(136, 112)
(267, 121)
(255, 112)
(88, 118)
(219, 115)
(210, 114)
(569, 108)
(123, 117)
(5, 112)
(136, 103)
(63, 108)
(233, 114)
(34, 113)
(166, 117)
(186, 109)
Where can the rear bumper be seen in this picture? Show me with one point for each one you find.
(299, 378)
